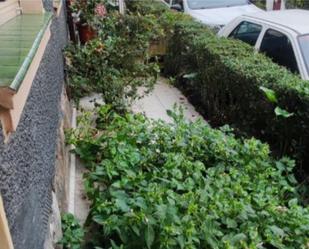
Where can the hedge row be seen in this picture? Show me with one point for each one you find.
(223, 77)
(226, 79)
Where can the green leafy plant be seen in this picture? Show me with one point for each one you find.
(73, 234)
(297, 4)
(271, 96)
(283, 113)
(155, 185)
(186, 185)
(114, 64)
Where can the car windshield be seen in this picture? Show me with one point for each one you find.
(209, 4)
(304, 46)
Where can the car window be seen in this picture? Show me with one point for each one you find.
(209, 4)
(304, 46)
(278, 47)
(247, 32)
(177, 2)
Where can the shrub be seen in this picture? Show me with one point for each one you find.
(116, 63)
(303, 4)
(146, 7)
(73, 234)
(186, 185)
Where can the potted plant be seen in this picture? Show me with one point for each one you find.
(85, 13)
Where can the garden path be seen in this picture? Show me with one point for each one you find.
(163, 98)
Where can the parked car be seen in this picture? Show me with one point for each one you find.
(281, 35)
(214, 13)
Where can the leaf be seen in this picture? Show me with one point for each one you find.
(149, 236)
(277, 231)
(190, 76)
(135, 230)
(98, 219)
(122, 205)
(238, 237)
(181, 241)
(161, 211)
(114, 246)
(231, 223)
(283, 113)
(293, 202)
(169, 113)
(270, 94)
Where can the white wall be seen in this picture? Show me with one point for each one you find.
(31, 6)
(270, 4)
(8, 10)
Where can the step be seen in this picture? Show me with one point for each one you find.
(8, 10)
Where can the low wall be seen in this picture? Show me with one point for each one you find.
(27, 162)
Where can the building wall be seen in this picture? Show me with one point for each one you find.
(270, 4)
(27, 162)
(8, 10)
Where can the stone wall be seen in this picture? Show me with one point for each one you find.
(27, 161)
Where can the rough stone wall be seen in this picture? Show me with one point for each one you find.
(27, 162)
(48, 5)
(62, 165)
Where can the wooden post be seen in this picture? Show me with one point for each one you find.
(5, 236)
(7, 123)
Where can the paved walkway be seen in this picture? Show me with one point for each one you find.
(161, 99)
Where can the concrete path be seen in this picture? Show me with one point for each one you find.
(163, 98)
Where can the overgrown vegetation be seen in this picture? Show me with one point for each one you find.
(73, 233)
(116, 62)
(160, 185)
(290, 4)
(303, 4)
(185, 185)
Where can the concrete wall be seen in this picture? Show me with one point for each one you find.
(270, 4)
(27, 162)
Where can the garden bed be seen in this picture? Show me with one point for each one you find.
(154, 184)
(184, 185)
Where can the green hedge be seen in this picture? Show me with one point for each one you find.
(223, 78)
(302, 4)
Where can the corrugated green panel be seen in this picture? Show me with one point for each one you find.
(15, 43)
(19, 41)
(11, 60)
(5, 82)
(12, 52)
(8, 72)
